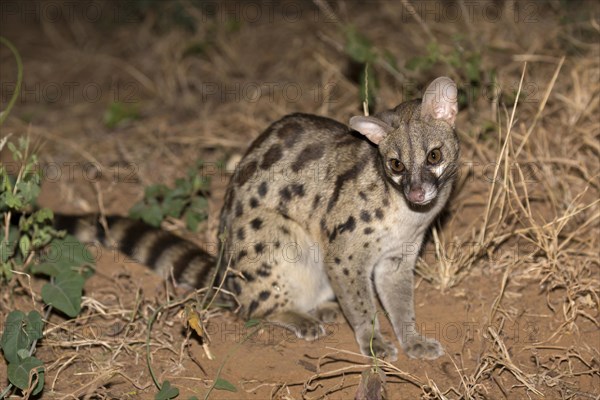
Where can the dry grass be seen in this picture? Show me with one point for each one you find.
(525, 217)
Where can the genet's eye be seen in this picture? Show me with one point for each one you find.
(434, 157)
(396, 165)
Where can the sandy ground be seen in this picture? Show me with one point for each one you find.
(517, 313)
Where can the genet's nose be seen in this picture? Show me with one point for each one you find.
(416, 194)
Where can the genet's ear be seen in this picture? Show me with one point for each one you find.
(440, 101)
(373, 128)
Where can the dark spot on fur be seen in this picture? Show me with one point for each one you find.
(272, 155)
(259, 247)
(298, 190)
(277, 244)
(234, 285)
(349, 225)
(253, 202)
(368, 230)
(365, 216)
(263, 188)
(337, 260)
(323, 225)
(228, 200)
(286, 194)
(350, 174)
(239, 209)
(245, 173)
(252, 307)
(379, 213)
(284, 230)
(242, 254)
(366, 245)
(241, 234)
(316, 201)
(333, 235)
(270, 310)
(264, 270)
(290, 133)
(349, 140)
(283, 209)
(290, 191)
(386, 202)
(350, 257)
(256, 223)
(362, 195)
(309, 153)
(248, 276)
(264, 295)
(346, 272)
(260, 139)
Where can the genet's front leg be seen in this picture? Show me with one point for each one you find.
(352, 285)
(394, 283)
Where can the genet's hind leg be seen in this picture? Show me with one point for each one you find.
(303, 325)
(328, 312)
(278, 278)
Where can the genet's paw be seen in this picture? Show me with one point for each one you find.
(328, 314)
(310, 330)
(381, 348)
(422, 347)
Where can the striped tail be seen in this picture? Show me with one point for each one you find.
(158, 249)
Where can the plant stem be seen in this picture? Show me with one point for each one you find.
(13, 99)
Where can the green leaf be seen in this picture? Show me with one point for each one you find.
(18, 373)
(174, 207)
(16, 154)
(182, 188)
(137, 210)
(47, 268)
(68, 252)
(7, 248)
(167, 392)
(222, 384)
(35, 325)
(44, 214)
(416, 63)
(14, 337)
(23, 354)
(29, 191)
(199, 204)
(192, 220)
(252, 322)
(154, 191)
(65, 293)
(43, 236)
(12, 201)
(153, 215)
(118, 113)
(391, 60)
(19, 333)
(24, 245)
(433, 52)
(6, 271)
(358, 46)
